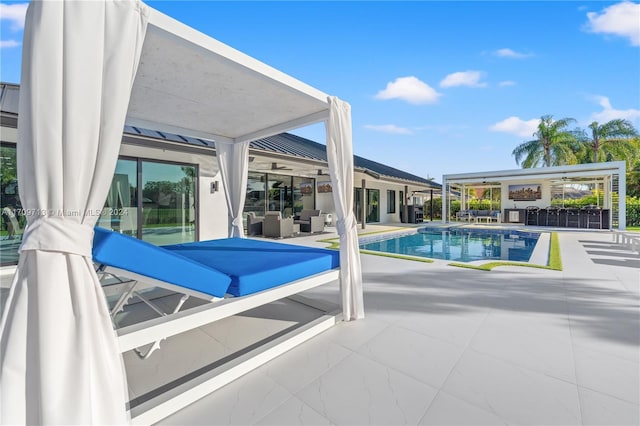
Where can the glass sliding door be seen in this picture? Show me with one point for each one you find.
(391, 201)
(357, 204)
(13, 217)
(168, 202)
(303, 194)
(373, 205)
(255, 200)
(280, 194)
(120, 212)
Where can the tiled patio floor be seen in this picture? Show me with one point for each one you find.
(439, 346)
(444, 345)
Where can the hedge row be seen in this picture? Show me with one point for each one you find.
(633, 211)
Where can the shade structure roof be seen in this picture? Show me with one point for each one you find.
(190, 84)
(578, 171)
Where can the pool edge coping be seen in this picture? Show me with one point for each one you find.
(542, 251)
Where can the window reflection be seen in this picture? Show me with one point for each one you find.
(168, 203)
(120, 209)
(161, 211)
(303, 194)
(13, 219)
(255, 200)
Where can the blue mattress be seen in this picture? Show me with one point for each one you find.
(131, 254)
(236, 266)
(255, 265)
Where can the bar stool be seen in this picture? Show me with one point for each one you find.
(594, 216)
(533, 215)
(573, 218)
(553, 213)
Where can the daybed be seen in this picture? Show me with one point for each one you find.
(235, 274)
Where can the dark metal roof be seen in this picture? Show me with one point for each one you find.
(284, 143)
(9, 95)
(385, 170)
(288, 144)
(154, 134)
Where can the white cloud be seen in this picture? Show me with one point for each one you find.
(622, 19)
(5, 44)
(609, 113)
(463, 78)
(516, 126)
(14, 13)
(506, 83)
(510, 53)
(389, 128)
(409, 89)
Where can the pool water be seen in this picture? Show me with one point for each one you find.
(462, 245)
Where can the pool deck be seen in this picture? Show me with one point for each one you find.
(449, 346)
(439, 346)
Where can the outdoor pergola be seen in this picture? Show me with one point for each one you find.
(608, 179)
(88, 69)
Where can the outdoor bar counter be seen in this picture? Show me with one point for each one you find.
(588, 218)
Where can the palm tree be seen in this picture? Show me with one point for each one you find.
(613, 140)
(554, 144)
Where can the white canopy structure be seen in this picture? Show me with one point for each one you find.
(59, 358)
(611, 176)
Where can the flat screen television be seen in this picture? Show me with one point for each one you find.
(527, 192)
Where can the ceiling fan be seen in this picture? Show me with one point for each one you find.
(274, 166)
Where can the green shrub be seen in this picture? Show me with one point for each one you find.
(633, 211)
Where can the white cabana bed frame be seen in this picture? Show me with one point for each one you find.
(88, 69)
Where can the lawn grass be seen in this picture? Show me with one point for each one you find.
(555, 261)
(633, 228)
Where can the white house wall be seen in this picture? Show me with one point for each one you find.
(324, 201)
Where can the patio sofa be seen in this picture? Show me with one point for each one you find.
(477, 215)
(310, 221)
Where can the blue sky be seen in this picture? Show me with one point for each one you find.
(435, 87)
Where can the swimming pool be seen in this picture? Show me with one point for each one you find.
(462, 245)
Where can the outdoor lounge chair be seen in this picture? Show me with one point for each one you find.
(310, 221)
(235, 274)
(276, 226)
(254, 224)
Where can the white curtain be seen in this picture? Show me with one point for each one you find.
(233, 161)
(340, 158)
(60, 362)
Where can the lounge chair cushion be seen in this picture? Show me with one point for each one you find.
(124, 252)
(255, 265)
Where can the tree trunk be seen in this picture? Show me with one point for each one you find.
(547, 156)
